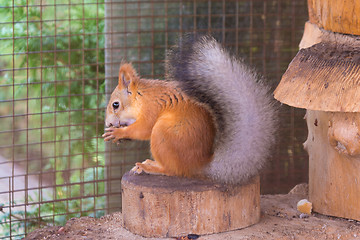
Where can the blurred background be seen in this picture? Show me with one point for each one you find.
(59, 61)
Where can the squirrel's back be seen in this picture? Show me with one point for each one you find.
(241, 104)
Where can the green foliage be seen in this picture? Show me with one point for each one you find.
(57, 212)
(54, 75)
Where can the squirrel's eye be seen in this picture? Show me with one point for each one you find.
(115, 105)
(127, 90)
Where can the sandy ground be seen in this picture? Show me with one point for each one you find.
(279, 220)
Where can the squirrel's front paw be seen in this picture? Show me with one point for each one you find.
(112, 133)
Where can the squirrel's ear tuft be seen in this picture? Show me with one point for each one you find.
(124, 81)
(127, 75)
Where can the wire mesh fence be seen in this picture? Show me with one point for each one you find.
(59, 61)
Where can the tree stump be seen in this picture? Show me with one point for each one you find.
(162, 206)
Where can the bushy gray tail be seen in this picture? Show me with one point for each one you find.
(241, 103)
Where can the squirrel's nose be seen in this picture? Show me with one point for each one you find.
(108, 124)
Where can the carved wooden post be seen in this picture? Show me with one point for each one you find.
(324, 78)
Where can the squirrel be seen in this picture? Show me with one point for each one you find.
(212, 116)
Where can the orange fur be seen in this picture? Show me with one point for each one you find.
(181, 131)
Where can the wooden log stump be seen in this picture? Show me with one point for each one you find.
(161, 206)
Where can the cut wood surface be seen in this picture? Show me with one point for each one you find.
(340, 16)
(323, 77)
(161, 206)
(333, 145)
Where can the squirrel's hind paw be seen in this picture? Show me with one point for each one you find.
(148, 166)
(137, 169)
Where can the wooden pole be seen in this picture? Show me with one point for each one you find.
(119, 158)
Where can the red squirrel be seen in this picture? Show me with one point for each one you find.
(211, 116)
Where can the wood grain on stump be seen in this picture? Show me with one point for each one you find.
(161, 206)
